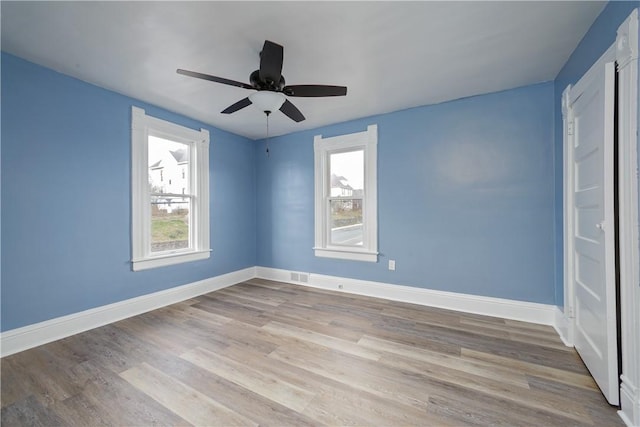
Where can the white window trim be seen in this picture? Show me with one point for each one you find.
(141, 126)
(368, 141)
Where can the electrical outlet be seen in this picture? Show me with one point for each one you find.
(392, 264)
(340, 286)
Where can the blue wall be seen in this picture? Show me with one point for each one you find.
(600, 36)
(66, 198)
(465, 196)
(470, 194)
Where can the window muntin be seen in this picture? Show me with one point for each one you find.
(346, 199)
(170, 186)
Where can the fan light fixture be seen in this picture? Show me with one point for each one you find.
(267, 100)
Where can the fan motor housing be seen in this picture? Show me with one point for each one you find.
(255, 81)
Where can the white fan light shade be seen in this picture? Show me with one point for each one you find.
(266, 100)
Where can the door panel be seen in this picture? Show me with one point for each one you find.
(592, 106)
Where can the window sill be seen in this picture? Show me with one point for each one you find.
(169, 259)
(352, 255)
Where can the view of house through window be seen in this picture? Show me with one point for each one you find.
(170, 195)
(347, 191)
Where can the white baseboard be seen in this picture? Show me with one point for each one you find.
(562, 325)
(30, 336)
(508, 309)
(629, 402)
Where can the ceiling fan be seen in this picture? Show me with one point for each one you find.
(269, 83)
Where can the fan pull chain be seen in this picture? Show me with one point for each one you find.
(267, 142)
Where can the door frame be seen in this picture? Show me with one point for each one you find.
(627, 59)
(625, 52)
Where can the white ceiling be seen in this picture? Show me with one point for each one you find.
(390, 55)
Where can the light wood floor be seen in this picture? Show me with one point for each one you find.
(268, 353)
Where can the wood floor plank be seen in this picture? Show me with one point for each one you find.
(591, 398)
(29, 412)
(185, 312)
(174, 338)
(560, 405)
(263, 300)
(397, 335)
(347, 333)
(484, 410)
(232, 310)
(13, 386)
(434, 316)
(479, 368)
(181, 399)
(78, 410)
(546, 329)
(583, 380)
(355, 372)
(337, 403)
(119, 402)
(235, 397)
(321, 339)
(346, 407)
(498, 346)
(43, 376)
(515, 332)
(271, 387)
(235, 333)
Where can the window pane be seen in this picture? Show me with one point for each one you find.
(170, 223)
(347, 173)
(346, 222)
(168, 166)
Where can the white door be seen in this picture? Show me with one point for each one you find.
(592, 107)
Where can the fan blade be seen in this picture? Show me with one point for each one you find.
(291, 111)
(237, 106)
(314, 90)
(214, 79)
(271, 62)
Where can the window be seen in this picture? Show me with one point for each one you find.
(170, 192)
(346, 224)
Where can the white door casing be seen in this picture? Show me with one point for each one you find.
(627, 61)
(590, 128)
